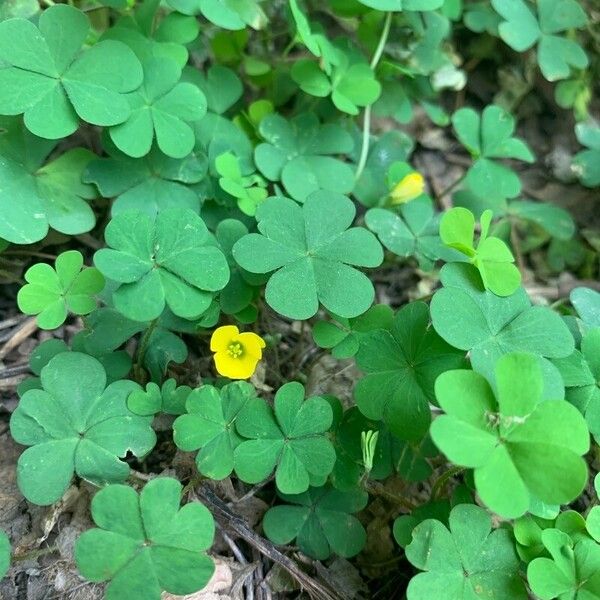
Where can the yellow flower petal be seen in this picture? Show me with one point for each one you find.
(252, 343)
(235, 368)
(222, 337)
(411, 186)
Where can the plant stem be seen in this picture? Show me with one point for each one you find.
(441, 481)
(143, 347)
(364, 153)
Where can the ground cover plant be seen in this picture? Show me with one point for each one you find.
(300, 299)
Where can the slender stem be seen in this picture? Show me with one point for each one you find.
(443, 479)
(143, 347)
(364, 153)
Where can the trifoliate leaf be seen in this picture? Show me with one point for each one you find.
(162, 109)
(53, 84)
(488, 326)
(146, 544)
(490, 255)
(35, 196)
(289, 439)
(221, 86)
(343, 335)
(298, 153)
(169, 262)
(4, 554)
(169, 399)
(209, 426)
(150, 184)
(587, 162)
(518, 445)
(572, 572)
(76, 425)
(489, 136)
(248, 189)
(522, 29)
(401, 366)
(228, 14)
(411, 229)
(52, 294)
(321, 522)
(313, 254)
(465, 560)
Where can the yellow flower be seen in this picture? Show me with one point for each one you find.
(236, 354)
(411, 186)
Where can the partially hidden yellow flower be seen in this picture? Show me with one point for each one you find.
(236, 354)
(411, 186)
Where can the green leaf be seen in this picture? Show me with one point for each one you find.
(161, 109)
(586, 163)
(551, 218)
(587, 305)
(401, 366)
(313, 251)
(399, 5)
(53, 84)
(36, 196)
(221, 86)
(489, 137)
(465, 560)
(228, 14)
(522, 29)
(151, 184)
(488, 326)
(146, 544)
(289, 439)
(320, 520)
(491, 255)
(411, 230)
(208, 426)
(298, 153)
(4, 554)
(52, 294)
(76, 425)
(571, 572)
(169, 262)
(169, 399)
(518, 445)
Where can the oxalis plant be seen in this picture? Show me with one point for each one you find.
(208, 195)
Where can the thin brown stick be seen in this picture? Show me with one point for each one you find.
(20, 335)
(234, 522)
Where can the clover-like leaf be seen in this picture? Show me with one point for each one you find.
(401, 366)
(522, 28)
(169, 262)
(410, 230)
(248, 189)
(518, 445)
(490, 255)
(35, 196)
(571, 573)
(313, 254)
(51, 294)
(150, 184)
(162, 109)
(343, 336)
(289, 439)
(4, 554)
(351, 84)
(209, 426)
(169, 399)
(581, 374)
(321, 522)
(228, 14)
(471, 318)
(403, 5)
(298, 153)
(53, 84)
(146, 544)
(76, 424)
(587, 162)
(587, 304)
(487, 137)
(465, 560)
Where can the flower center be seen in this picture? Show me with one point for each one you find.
(235, 350)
